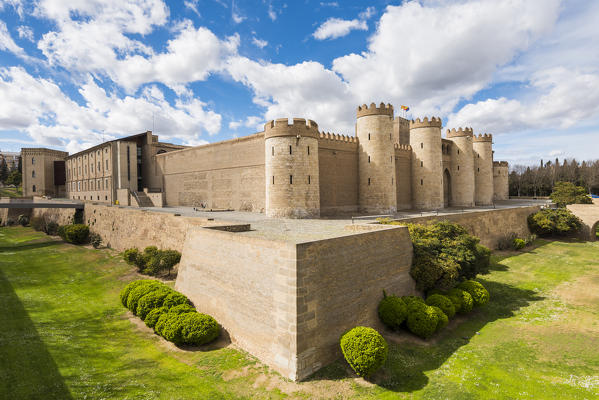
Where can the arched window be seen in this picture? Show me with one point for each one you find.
(33, 175)
(33, 189)
(32, 160)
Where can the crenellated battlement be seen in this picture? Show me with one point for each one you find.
(500, 164)
(487, 137)
(459, 132)
(402, 147)
(300, 127)
(434, 122)
(338, 137)
(382, 109)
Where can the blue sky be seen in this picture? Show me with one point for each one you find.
(74, 73)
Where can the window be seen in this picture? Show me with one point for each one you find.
(421, 182)
(308, 150)
(290, 150)
(273, 179)
(368, 181)
(33, 189)
(422, 163)
(458, 167)
(458, 151)
(478, 170)
(33, 162)
(33, 175)
(99, 166)
(392, 181)
(106, 165)
(291, 179)
(369, 136)
(368, 159)
(308, 179)
(478, 156)
(91, 167)
(391, 159)
(422, 145)
(272, 150)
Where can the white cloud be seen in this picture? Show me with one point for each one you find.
(8, 44)
(17, 5)
(39, 108)
(564, 99)
(252, 121)
(368, 13)
(236, 14)
(431, 57)
(25, 32)
(334, 28)
(193, 6)
(272, 14)
(259, 42)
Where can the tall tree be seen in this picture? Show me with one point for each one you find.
(3, 170)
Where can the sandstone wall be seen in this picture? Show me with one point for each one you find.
(490, 226)
(403, 176)
(427, 173)
(340, 283)
(338, 170)
(224, 175)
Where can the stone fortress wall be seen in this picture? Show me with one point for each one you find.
(390, 164)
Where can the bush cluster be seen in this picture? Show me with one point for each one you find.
(75, 234)
(169, 313)
(425, 317)
(511, 241)
(444, 255)
(152, 261)
(554, 222)
(565, 193)
(364, 349)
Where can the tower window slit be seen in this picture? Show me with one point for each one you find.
(308, 150)
(272, 150)
(273, 179)
(368, 181)
(369, 159)
(308, 179)
(422, 145)
(291, 179)
(422, 163)
(369, 136)
(458, 167)
(290, 150)
(421, 182)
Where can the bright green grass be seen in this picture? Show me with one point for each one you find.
(11, 192)
(64, 334)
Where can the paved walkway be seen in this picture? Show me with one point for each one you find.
(589, 214)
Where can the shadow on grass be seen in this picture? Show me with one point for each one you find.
(410, 357)
(27, 370)
(29, 246)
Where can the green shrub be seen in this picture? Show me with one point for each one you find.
(151, 300)
(62, 232)
(518, 244)
(77, 233)
(153, 316)
(445, 254)
(152, 264)
(198, 329)
(442, 319)
(95, 239)
(168, 259)
(554, 222)
(38, 223)
(413, 303)
(51, 228)
(141, 291)
(443, 302)
(506, 242)
(423, 321)
(130, 256)
(364, 349)
(176, 310)
(466, 302)
(175, 299)
(392, 311)
(127, 289)
(565, 193)
(480, 295)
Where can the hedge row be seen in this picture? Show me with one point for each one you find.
(169, 313)
(425, 317)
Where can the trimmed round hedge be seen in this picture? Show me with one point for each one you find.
(364, 349)
(198, 329)
(127, 289)
(466, 302)
(139, 292)
(163, 320)
(151, 301)
(443, 302)
(480, 295)
(153, 316)
(413, 303)
(392, 311)
(175, 299)
(423, 321)
(442, 319)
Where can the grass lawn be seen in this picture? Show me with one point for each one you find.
(11, 192)
(64, 334)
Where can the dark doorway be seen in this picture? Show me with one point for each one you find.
(446, 188)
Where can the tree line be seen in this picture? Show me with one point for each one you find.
(8, 176)
(539, 180)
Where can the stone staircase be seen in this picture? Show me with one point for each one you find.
(143, 200)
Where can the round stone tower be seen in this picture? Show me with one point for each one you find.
(500, 180)
(376, 159)
(462, 167)
(427, 173)
(291, 168)
(483, 169)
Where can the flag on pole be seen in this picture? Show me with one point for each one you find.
(405, 108)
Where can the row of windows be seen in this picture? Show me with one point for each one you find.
(97, 184)
(272, 150)
(90, 198)
(73, 172)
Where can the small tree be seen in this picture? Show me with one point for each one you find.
(168, 259)
(3, 170)
(565, 193)
(14, 178)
